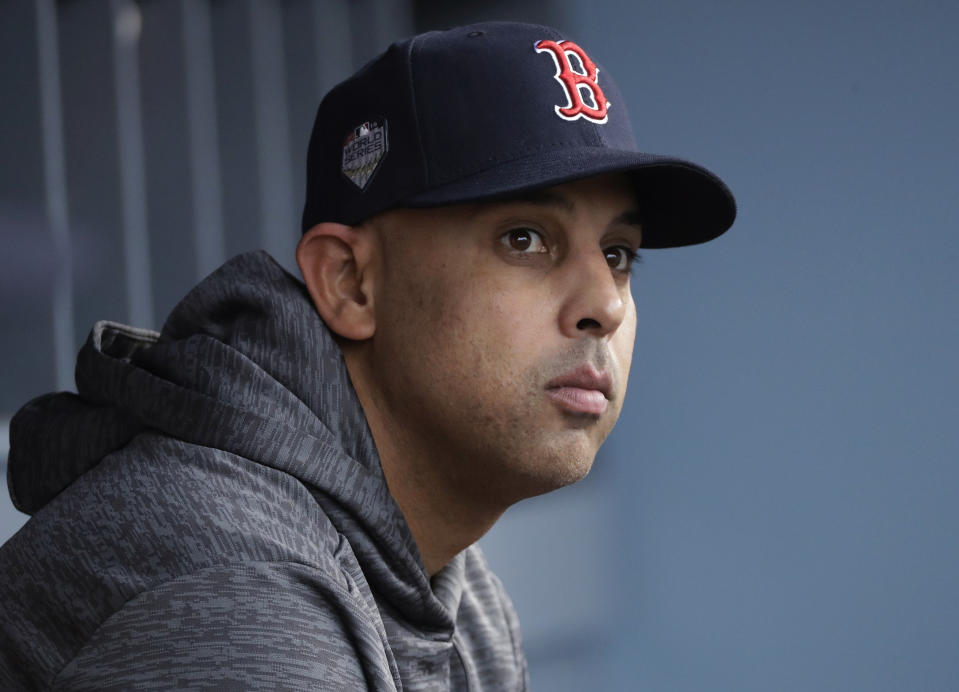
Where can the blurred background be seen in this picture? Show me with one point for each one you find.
(778, 507)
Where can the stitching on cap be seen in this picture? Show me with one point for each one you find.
(427, 172)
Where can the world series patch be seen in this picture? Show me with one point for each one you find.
(363, 151)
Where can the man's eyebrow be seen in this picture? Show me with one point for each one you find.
(631, 217)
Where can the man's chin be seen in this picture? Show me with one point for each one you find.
(563, 466)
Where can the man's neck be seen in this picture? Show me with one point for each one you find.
(444, 518)
(442, 523)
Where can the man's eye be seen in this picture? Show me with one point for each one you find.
(524, 240)
(620, 258)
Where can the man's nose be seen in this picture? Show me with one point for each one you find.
(596, 300)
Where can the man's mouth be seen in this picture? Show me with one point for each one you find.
(583, 391)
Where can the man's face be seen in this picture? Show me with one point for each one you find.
(504, 333)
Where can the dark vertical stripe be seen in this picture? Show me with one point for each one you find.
(204, 150)
(279, 227)
(127, 21)
(55, 194)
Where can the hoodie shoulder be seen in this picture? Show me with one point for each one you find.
(159, 511)
(249, 626)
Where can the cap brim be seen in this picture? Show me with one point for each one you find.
(680, 202)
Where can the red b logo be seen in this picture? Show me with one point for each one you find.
(576, 84)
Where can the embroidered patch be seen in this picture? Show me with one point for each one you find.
(363, 151)
(579, 77)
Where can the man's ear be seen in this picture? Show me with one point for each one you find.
(337, 263)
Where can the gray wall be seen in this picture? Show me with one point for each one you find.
(777, 508)
(146, 142)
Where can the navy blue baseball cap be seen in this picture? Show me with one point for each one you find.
(486, 111)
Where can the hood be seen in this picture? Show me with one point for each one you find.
(243, 364)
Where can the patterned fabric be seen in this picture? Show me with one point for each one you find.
(209, 512)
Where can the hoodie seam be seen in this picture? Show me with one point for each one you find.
(517, 661)
(502, 612)
(469, 671)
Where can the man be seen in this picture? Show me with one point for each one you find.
(283, 488)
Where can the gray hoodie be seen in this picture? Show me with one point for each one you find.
(210, 512)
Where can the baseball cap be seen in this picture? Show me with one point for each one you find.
(486, 111)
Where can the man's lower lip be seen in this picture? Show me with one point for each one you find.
(576, 400)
